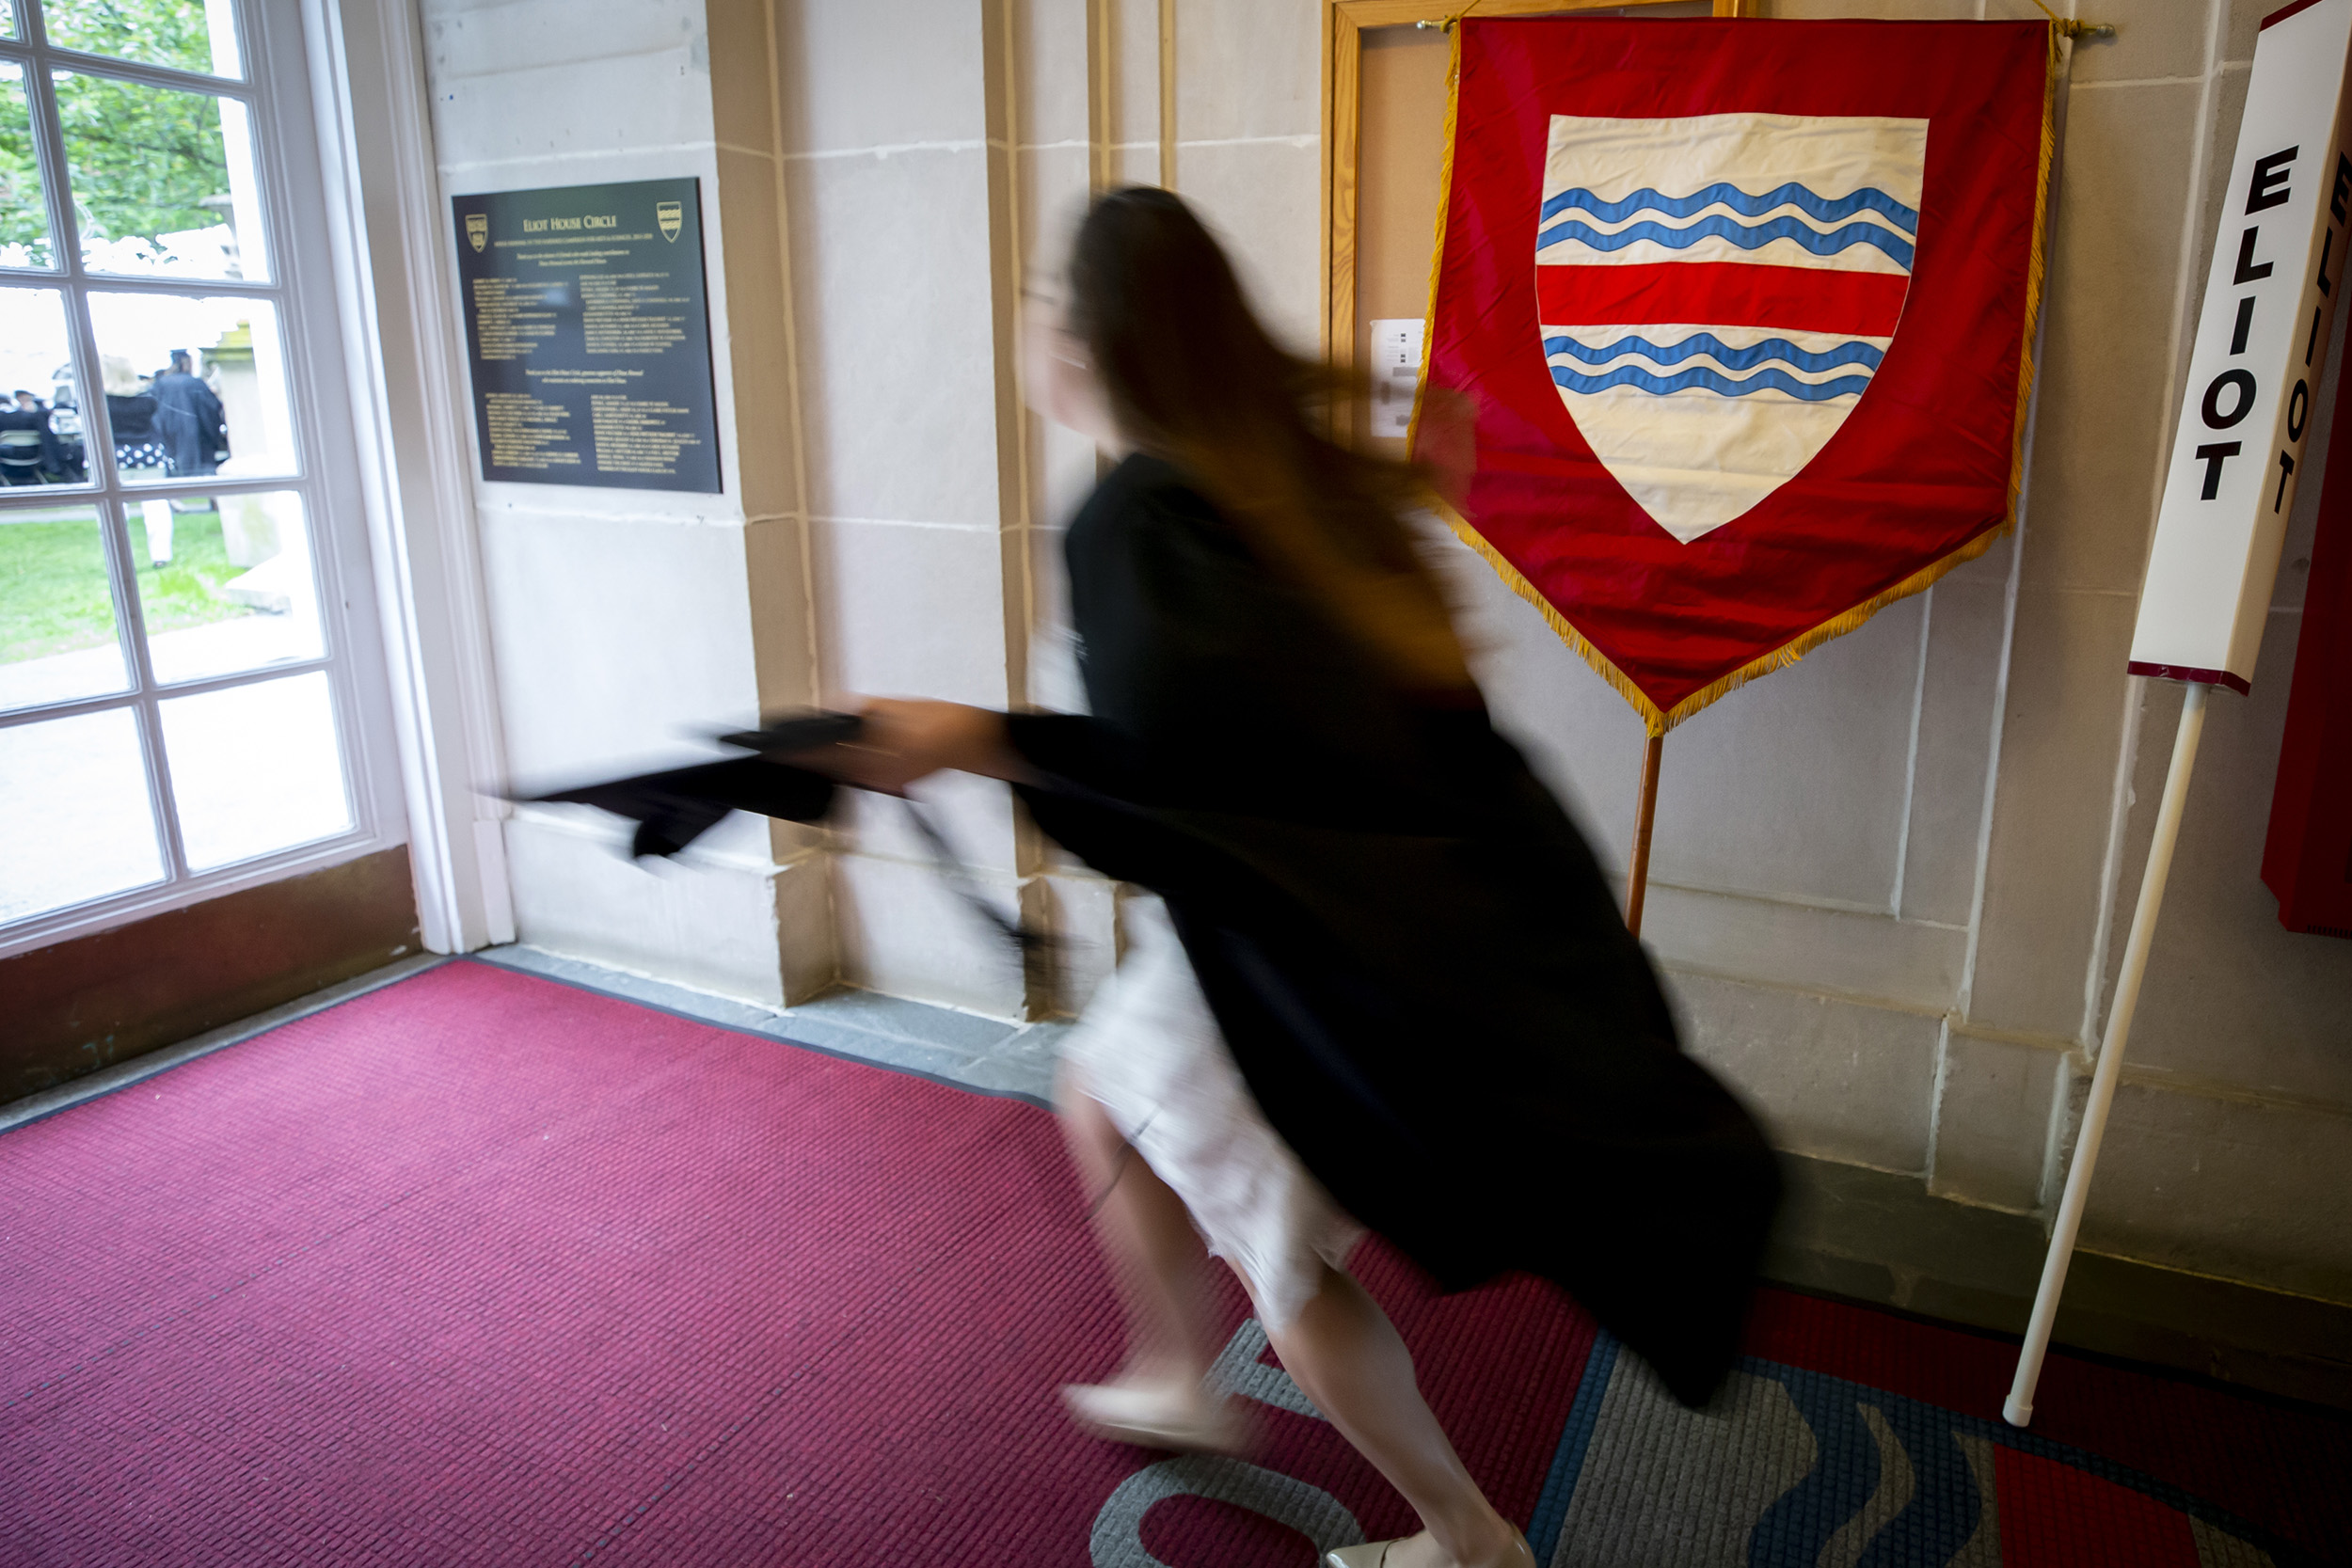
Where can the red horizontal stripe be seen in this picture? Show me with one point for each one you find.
(1722, 293)
(2284, 11)
(2192, 672)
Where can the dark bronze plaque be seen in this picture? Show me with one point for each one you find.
(588, 335)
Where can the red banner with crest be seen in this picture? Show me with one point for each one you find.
(1745, 308)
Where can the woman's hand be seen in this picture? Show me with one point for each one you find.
(904, 741)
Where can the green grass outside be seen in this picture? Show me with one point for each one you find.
(53, 583)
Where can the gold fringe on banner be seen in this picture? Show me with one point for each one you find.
(1557, 622)
(1658, 721)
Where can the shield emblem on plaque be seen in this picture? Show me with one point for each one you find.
(1715, 292)
(478, 230)
(672, 216)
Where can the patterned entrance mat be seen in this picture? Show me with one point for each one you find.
(483, 1268)
(1850, 1437)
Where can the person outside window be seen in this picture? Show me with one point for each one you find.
(189, 421)
(28, 412)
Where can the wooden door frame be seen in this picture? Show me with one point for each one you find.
(1345, 21)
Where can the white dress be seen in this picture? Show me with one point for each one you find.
(1148, 1049)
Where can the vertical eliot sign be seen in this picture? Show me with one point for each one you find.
(2279, 262)
(2254, 372)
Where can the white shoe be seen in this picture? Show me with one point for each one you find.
(1374, 1554)
(1157, 1418)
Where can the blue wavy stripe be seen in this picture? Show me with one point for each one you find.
(1845, 1475)
(1827, 209)
(1576, 1436)
(1707, 342)
(1714, 381)
(1746, 236)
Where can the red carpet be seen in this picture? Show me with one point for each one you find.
(482, 1268)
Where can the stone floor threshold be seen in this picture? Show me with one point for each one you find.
(978, 1053)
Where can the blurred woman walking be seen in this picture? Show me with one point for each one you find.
(1385, 984)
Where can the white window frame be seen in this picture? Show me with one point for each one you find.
(404, 340)
(277, 86)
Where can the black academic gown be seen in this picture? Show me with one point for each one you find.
(187, 422)
(1416, 961)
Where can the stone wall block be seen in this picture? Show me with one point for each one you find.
(1793, 787)
(1578, 734)
(911, 610)
(1828, 1078)
(898, 367)
(1993, 1120)
(903, 932)
(616, 643)
(1050, 72)
(1871, 958)
(2243, 26)
(1246, 69)
(474, 38)
(810, 957)
(697, 922)
(879, 73)
(2231, 997)
(742, 74)
(2113, 297)
(1261, 198)
(758, 339)
(2152, 38)
(1135, 86)
(1053, 198)
(1967, 614)
(521, 112)
(783, 638)
(2051, 812)
(784, 649)
(2226, 1187)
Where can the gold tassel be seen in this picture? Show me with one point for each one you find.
(1656, 721)
(1789, 653)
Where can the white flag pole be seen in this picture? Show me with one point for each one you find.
(2282, 246)
(2019, 1410)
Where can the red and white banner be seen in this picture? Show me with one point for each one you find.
(1745, 308)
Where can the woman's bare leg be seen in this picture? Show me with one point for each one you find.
(1155, 1254)
(1347, 1357)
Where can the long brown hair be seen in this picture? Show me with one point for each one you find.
(1193, 377)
